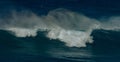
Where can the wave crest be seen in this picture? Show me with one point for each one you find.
(72, 28)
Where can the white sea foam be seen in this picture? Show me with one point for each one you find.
(71, 38)
(21, 32)
(72, 28)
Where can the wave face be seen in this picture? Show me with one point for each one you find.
(74, 29)
(41, 49)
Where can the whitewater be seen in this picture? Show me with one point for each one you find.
(72, 28)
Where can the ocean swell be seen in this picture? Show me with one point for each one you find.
(70, 27)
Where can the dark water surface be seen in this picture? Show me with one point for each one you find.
(105, 48)
(40, 49)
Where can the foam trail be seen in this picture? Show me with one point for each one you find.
(72, 28)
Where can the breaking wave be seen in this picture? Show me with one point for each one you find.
(70, 27)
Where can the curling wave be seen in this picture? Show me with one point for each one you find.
(70, 27)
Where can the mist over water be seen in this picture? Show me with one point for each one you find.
(67, 26)
(59, 31)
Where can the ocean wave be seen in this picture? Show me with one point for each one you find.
(70, 27)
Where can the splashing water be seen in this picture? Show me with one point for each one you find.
(72, 28)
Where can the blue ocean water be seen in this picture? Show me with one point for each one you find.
(105, 48)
